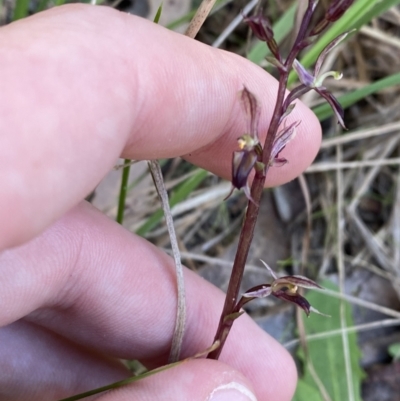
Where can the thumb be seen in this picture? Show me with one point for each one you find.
(194, 380)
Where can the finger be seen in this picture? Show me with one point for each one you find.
(93, 282)
(38, 365)
(195, 380)
(82, 85)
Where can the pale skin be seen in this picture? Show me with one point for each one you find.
(81, 86)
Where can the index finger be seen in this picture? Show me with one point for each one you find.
(82, 85)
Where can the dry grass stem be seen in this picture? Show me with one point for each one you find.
(362, 302)
(220, 262)
(199, 18)
(396, 229)
(380, 36)
(235, 22)
(332, 166)
(213, 195)
(360, 135)
(179, 329)
(353, 329)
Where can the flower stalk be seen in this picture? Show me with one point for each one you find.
(276, 140)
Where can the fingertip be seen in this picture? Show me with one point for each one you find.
(117, 83)
(194, 380)
(269, 366)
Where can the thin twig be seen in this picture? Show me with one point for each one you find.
(192, 30)
(235, 22)
(377, 249)
(362, 134)
(351, 329)
(142, 376)
(395, 230)
(361, 302)
(220, 262)
(199, 18)
(177, 339)
(329, 166)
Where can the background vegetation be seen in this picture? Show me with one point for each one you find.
(340, 218)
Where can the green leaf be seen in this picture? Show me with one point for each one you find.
(21, 9)
(327, 354)
(306, 392)
(394, 351)
(42, 5)
(126, 170)
(158, 14)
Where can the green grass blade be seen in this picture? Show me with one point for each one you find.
(158, 14)
(181, 193)
(121, 383)
(182, 20)
(281, 29)
(21, 9)
(126, 170)
(123, 191)
(327, 354)
(324, 111)
(306, 392)
(394, 351)
(360, 13)
(42, 5)
(379, 8)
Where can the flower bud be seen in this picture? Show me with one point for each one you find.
(262, 29)
(260, 26)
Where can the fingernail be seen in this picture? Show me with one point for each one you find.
(232, 392)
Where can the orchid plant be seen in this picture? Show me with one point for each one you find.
(255, 158)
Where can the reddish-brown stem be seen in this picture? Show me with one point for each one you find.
(232, 305)
(247, 232)
(246, 236)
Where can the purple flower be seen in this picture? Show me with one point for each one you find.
(244, 160)
(315, 80)
(282, 139)
(333, 13)
(337, 9)
(286, 288)
(262, 29)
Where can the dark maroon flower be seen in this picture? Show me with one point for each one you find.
(260, 25)
(337, 9)
(286, 288)
(244, 160)
(333, 13)
(282, 139)
(315, 80)
(262, 29)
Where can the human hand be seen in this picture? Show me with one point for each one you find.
(81, 86)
